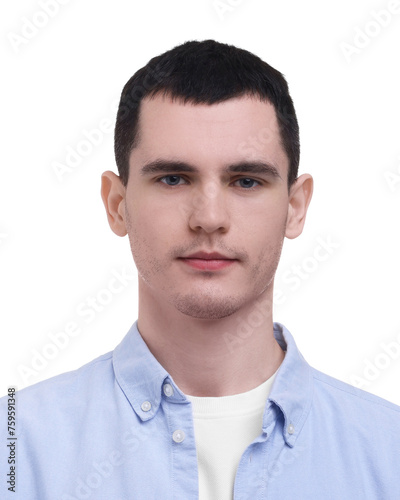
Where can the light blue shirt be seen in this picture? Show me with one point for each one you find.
(119, 428)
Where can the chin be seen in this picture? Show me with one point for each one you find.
(206, 309)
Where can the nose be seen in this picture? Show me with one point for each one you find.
(208, 209)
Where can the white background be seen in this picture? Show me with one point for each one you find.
(56, 248)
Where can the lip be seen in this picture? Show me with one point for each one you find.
(207, 256)
(209, 264)
(204, 261)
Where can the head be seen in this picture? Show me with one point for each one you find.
(207, 148)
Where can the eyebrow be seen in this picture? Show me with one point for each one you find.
(171, 166)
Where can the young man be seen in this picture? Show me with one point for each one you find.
(205, 397)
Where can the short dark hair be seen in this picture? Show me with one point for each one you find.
(205, 72)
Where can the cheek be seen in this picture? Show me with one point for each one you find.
(164, 211)
(266, 222)
(152, 222)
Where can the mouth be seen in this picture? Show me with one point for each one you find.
(208, 261)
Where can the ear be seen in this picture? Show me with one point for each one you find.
(113, 196)
(299, 199)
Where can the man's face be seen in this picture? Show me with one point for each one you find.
(173, 213)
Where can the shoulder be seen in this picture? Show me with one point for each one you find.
(352, 402)
(62, 390)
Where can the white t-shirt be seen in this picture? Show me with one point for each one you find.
(224, 427)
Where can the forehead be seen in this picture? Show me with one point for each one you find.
(238, 129)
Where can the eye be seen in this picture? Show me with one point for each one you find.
(173, 178)
(247, 181)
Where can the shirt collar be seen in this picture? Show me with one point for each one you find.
(142, 378)
(292, 388)
(140, 375)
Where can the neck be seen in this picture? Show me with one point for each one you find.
(212, 357)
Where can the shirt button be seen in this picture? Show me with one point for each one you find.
(168, 390)
(290, 429)
(146, 406)
(178, 436)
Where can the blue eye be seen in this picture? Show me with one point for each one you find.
(170, 177)
(246, 186)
